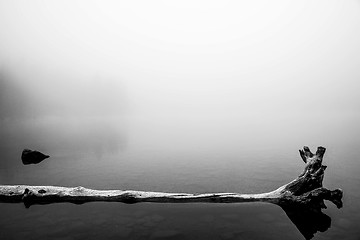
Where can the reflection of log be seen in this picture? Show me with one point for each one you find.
(308, 222)
(305, 191)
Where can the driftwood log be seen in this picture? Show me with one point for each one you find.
(305, 190)
(304, 195)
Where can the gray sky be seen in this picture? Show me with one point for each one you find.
(184, 57)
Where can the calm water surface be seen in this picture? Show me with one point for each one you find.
(177, 154)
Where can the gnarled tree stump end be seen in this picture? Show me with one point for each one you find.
(307, 189)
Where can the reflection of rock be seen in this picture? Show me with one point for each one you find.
(32, 157)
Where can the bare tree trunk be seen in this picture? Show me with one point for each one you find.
(305, 191)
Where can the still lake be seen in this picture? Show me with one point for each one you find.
(175, 153)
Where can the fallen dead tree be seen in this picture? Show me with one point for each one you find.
(302, 199)
(306, 191)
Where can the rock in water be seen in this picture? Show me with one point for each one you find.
(32, 157)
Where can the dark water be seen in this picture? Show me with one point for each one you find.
(177, 154)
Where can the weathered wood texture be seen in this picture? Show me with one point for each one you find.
(305, 191)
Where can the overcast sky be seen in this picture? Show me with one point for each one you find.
(185, 57)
